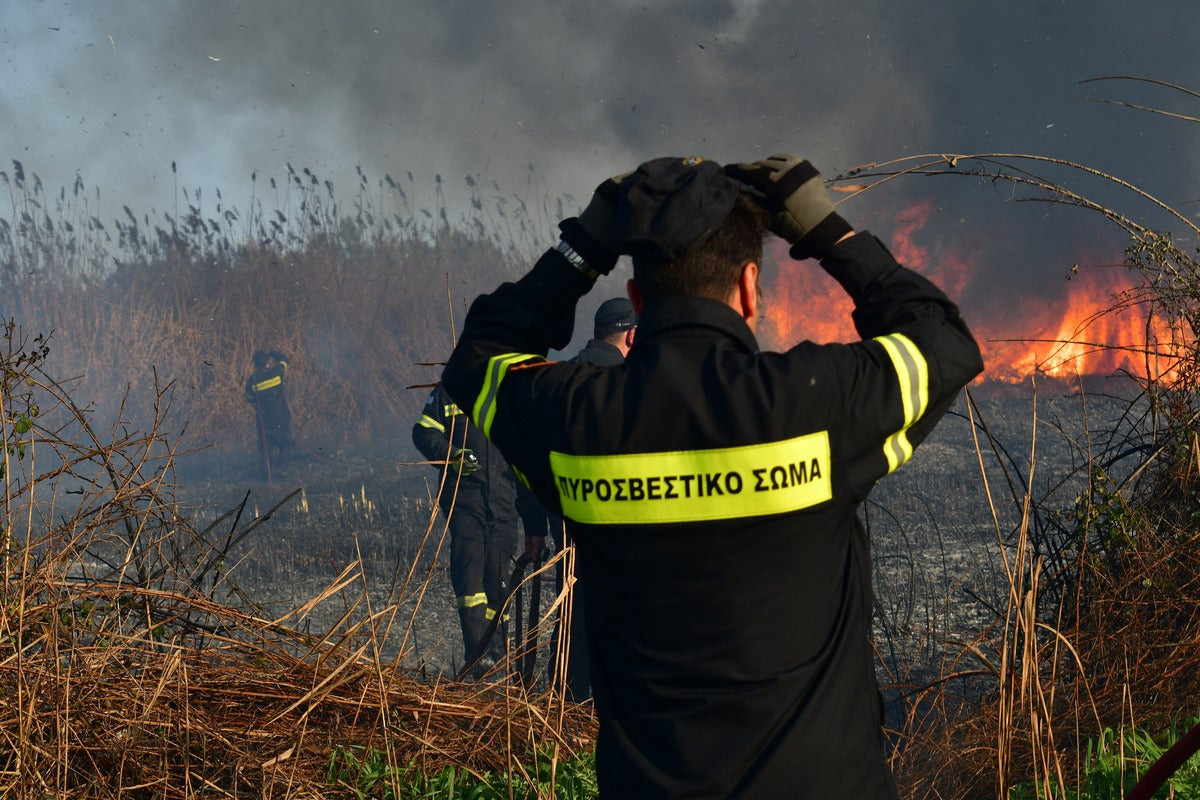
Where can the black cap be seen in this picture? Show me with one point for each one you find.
(670, 206)
(614, 315)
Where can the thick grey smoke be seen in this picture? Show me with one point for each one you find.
(116, 91)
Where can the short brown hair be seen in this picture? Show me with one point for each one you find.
(713, 268)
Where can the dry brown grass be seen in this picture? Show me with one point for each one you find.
(122, 676)
(356, 298)
(249, 709)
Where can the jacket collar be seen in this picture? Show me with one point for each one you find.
(672, 316)
(600, 353)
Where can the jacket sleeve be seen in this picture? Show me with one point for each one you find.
(916, 356)
(429, 433)
(516, 324)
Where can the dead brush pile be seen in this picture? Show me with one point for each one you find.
(121, 676)
(1100, 630)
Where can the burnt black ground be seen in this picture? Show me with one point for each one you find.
(937, 547)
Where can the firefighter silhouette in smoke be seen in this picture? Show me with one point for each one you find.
(478, 496)
(273, 421)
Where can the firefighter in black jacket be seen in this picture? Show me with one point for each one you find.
(478, 496)
(713, 488)
(614, 328)
(272, 419)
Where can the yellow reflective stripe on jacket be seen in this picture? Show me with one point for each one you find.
(485, 405)
(269, 383)
(520, 476)
(913, 373)
(427, 421)
(695, 485)
(472, 600)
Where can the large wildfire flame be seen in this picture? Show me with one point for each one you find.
(1098, 326)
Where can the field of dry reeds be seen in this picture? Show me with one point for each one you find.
(138, 660)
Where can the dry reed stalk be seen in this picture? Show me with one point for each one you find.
(118, 681)
(109, 710)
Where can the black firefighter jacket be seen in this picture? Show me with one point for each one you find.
(441, 430)
(714, 489)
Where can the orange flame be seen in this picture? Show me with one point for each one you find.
(1098, 326)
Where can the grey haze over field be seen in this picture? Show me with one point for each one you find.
(116, 91)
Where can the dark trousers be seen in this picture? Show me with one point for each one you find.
(274, 445)
(479, 546)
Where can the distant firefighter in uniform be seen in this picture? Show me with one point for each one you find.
(614, 328)
(273, 421)
(478, 497)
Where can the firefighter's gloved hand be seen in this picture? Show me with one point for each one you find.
(599, 218)
(801, 211)
(535, 548)
(593, 234)
(464, 461)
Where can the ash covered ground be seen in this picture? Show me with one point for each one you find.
(938, 541)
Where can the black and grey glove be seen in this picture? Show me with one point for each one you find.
(592, 236)
(791, 190)
(464, 461)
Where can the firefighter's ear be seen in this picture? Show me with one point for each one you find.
(635, 296)
(746, 298)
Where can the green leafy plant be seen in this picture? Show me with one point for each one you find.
(1115, 760)
(363, 772)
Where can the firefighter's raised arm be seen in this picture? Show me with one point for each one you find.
(522, 321)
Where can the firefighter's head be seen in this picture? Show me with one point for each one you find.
(616, 322)
(691, 230)
(261, 358)
(614, 315)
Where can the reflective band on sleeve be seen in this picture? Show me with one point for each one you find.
(912, 371)
(485, 404)
(472, 600)
(427, 421)
(695, 485)
(269, 383)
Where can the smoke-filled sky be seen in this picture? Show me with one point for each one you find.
(114, 91)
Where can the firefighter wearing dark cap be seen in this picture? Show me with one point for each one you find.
(477, 495)
(272, 419)
(614, 327)
(713, 487)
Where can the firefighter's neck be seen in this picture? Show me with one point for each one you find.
(745, 297)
